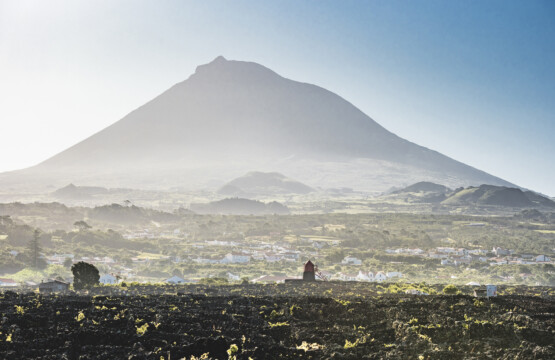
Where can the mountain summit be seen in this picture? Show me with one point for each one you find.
(231, 117)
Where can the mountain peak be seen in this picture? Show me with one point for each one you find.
(222, 69)
(219, 59)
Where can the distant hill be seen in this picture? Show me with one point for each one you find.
(53, 216)
(79, 192)
(232, 116)
(119, 214)
(423, 186)
(483, 195)
(237, 206)
(421, 192)
(263, 184)
(499, 196)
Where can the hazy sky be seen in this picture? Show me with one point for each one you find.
(474, 80)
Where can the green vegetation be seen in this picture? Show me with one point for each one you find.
(156, 245)
(450, 289)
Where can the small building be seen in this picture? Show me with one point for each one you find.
(108, 279)
(273, 279)
(53, 286)
(7, 282)
(175, 280)
(491, 290)
(365, 276)
(347, 277)
(351, 260)
(542, 258)
(233, 277)
(235, 258)
(380, 276)
(486, 291)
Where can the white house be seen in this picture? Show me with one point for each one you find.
(380, 276)
(175, 280)
(542, 258)
(108, 279)
(365, 276)
(347, 277)
(233, 277)
(235, 258)
(351, 260)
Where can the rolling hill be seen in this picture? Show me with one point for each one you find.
(498, 196)
(238, 206)
(473, 196)
(424, 186)
(258, 183)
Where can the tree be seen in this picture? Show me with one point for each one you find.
(85, 275)
(450, 289)
(81, 225)
(33, 252)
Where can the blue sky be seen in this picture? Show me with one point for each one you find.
(474, 80)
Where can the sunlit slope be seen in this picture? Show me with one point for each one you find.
(498, 195)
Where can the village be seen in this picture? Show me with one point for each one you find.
(273, 259)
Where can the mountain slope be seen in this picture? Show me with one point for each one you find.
(233, 116)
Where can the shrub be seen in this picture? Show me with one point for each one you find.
(450, 289)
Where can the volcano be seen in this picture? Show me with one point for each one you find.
(232, 117)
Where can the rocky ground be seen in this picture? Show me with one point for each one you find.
(275, 324)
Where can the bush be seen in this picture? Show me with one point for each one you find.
(450, 289)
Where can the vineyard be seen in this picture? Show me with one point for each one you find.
(271, 322)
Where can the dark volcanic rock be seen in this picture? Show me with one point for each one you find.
(279, 322)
